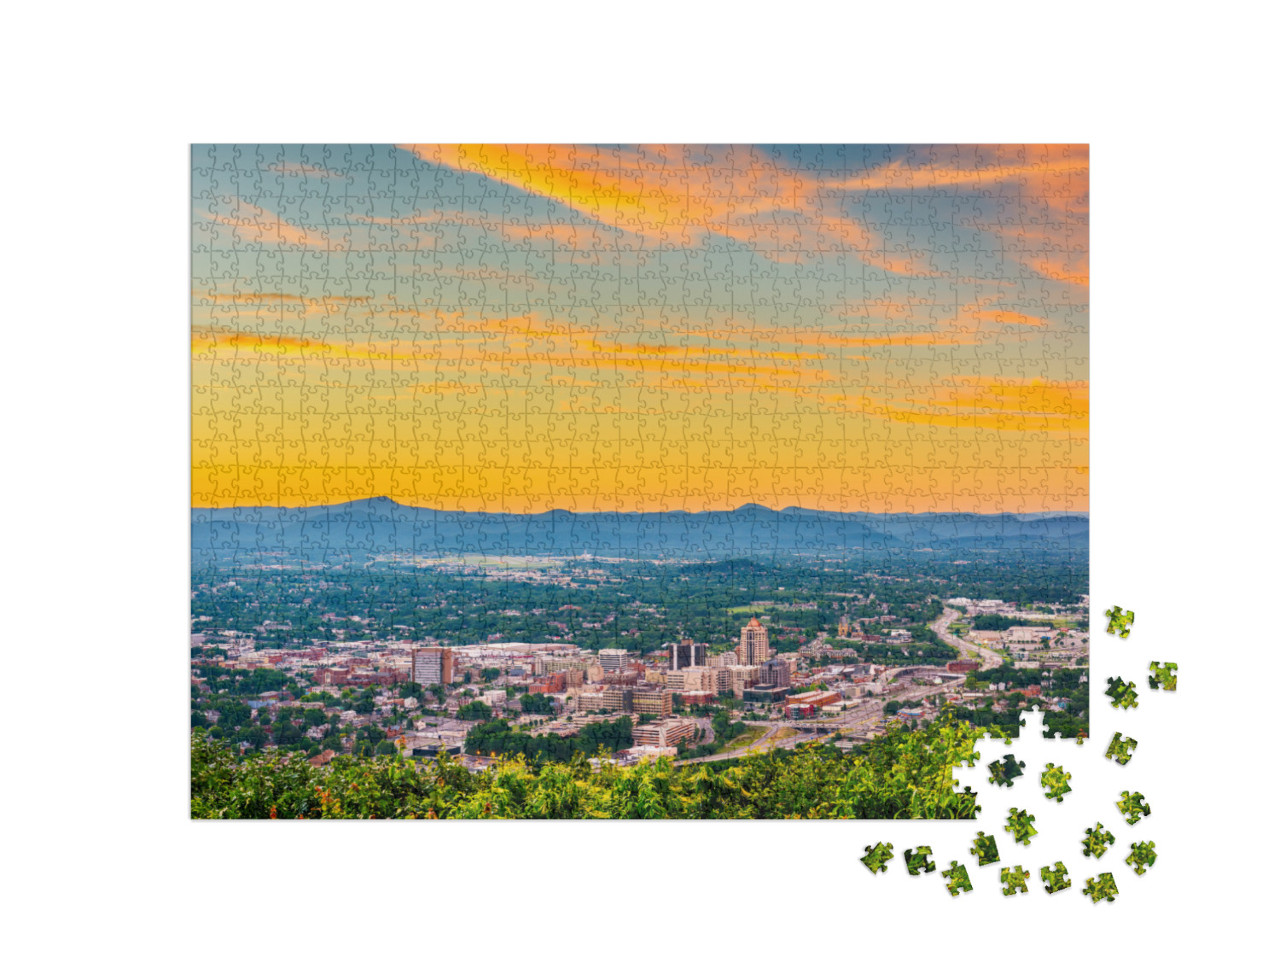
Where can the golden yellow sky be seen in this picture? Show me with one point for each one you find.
(654, 328)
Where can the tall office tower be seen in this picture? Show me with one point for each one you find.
(687, 654)
(432, 666)
(753, 648)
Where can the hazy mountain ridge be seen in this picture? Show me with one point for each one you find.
(380, 525)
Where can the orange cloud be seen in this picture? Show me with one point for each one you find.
(750, 199)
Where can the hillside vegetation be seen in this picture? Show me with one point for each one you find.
(904, 774)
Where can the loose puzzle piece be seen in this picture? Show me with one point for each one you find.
(1119, 620)
(984, 847)
(918, 860)
(1096, 841)
(1054, 879)
(1015, 880)
(1019, 823)
(1123, 694)
(1121, 749)
(1055, 782)
(1133, 806)
(877, 859)
(1104, 887)
(1141, 856)
(957, 878)
(1163, 677)
(1004, 772)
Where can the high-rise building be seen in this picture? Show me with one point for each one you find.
(775, 672)
(753, 647)
(432, 666)
(614, 660)
(687, 654)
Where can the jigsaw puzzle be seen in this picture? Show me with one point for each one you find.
(1055, 880)
(1163, 676)
(878, 857)
(1102, 887)
(1119, 621)
(957, 878)
(1133, 806)
(1004, 772)
(1096, 841)
(918, 860)
(1014, 880)
(1055, 782)
(1019, 824)
(1121, 749)
(1141, 856)
(985, 848)
(1123, 695)
(649, 479)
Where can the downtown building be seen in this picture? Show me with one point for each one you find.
(614, 660)
(687, 654)
(753, 645)
(432, 666)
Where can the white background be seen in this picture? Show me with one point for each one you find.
(103, 101)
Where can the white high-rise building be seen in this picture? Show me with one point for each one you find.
(614, 660)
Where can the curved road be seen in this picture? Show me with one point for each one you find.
(990, 659)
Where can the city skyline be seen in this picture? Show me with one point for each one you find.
(877, 329)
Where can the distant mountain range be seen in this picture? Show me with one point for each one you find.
(378, 526)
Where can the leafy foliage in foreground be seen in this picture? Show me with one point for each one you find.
(904, 774)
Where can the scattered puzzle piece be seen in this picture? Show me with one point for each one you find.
(1104, 887)
(1133, 806)
(1055, 782)
(1123, 694)
(1121, 749)
(1096, 841)
(1163, 677)
(877, 859)
(1004, 772)
(918, 860)
(957, 878)
(1015, 880)
(1141, 856)
(1119, 620)
(984, 847)
(1019, 823)
(1054, 879)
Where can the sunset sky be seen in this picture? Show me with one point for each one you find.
(641, 328)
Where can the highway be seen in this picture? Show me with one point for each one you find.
(990, 659)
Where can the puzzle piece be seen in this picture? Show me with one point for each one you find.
(1123, 694)
(1141, 856)
(1104, 887)
(1014, 880)
(984, 847)
(1121, 749)
(1096, 841)
(1163, 677)
(1019, 823)
(1004, 772)
(1055, 782)
(877, 859)
(1133, 806)
(1119, 620)
(918, 860)
(1054, 879)
(957, 878)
